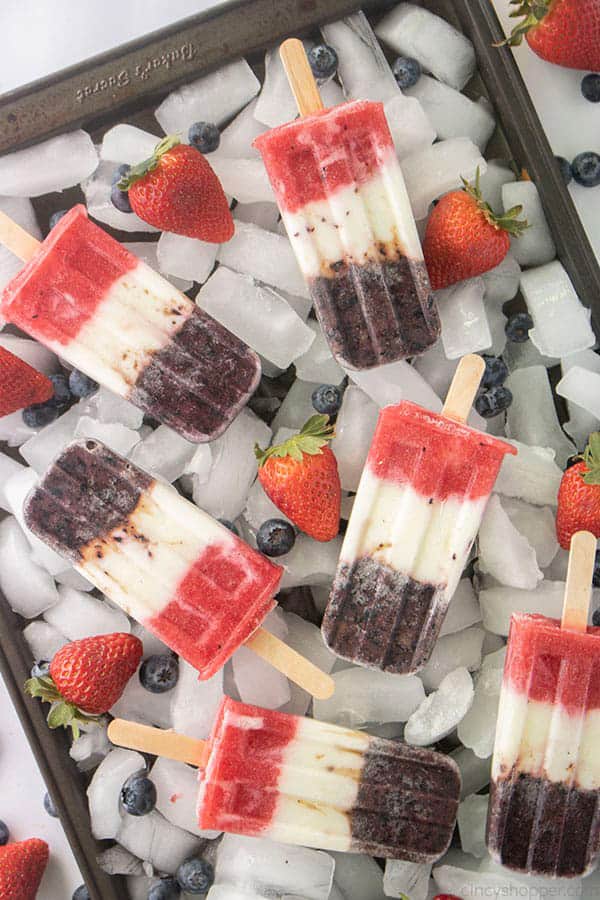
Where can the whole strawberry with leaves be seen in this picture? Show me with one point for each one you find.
(86, 678)
(301, 478)
(176, 190)
(22, 867)
(579, 495)
(563, 32)
(465, 237)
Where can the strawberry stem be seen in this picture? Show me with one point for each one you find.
(531, 12)
(591, 457)
(506, 222)
(148, 165)
(62, 713)
(311, 438)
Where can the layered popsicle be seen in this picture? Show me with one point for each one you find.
(107, 313)
(168, 564)
(417, 511)
(544, 813)
(344, 203)
(302, 781)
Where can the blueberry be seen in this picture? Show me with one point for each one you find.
(40, 668)
(496, 371)
(62, 392)
(323, 61)
(493, 401)
(586, 169)
(165, 889)
(230, 525)
(204, 136)
(327, 399)
(4, 833)
(56, 217)
(275, 537)
(597, 571)
(120, 199)
(565, 169)
(159, 673)
(40, 414)
(49, 806)
(195, 876)
(407, 71)
(138, 795)
(119, 172)
(81, 893)
(590, 87)
(81, 385)
(517, 328)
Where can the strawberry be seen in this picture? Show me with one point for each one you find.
(22, 867)
(579, 495)
(464, 236)
(87, 678)
(20, 384)
(176, 190)
(564, 32)
(301, 478)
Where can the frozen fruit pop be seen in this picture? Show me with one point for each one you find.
(302, 781)
(164, 561)
(417, 511)
(107, 313)
(342, 198)
(543, 816)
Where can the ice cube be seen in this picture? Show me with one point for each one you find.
(256, 314)
(140, 705)
(465, 326)
(437, 371)
(478, 728)
(236, 139)
(310, 562)
(215, 98)
(43, 640)
(362, 68)
(72, 578)
(118, 861)
(265, 256)
(8, 468)
(535, 246)
(474, 771)
(107, 408)
(410, 127)
(496, 322)
(504, 552)
(439, 169)
(306, 639)
(451, 113)
(152, 644)
(464, 882)
(463, 610)
(413, 31)
(357, 877)
(104, 790)
(97, 188)
(125, 143)
(581, 422)
(461, 649)
(297, 406)
(502, 282)
(406, 879)
(114, 435)
(562, 323)
(177, 795)
(265, 215)
(441, 711)
(538, 527)
(244, 179)
(368, 695)
(154, 839)
(30, 351)
(78, 615)
(353, 434)
(531, 417)
(53, 165)
(28, 587)
(273, 870)
(316, 364)
(258, 683)
(532, 475)
(259, 507)
(581, 387)
(90, 748)
(472, 817)
(164, 453)
(498, 173)
(147, 251)
(21, 211)
(194, 702)
(200, 464)
(234, 467)
(275, 104)
(388, 384)
(497, 604)
(185, 257)
(522, 356)
(41, 449)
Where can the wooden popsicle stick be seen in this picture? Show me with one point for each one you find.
(291, 664)
(578, 590)
(158, 742)
(300, 76)
(465, 383)
(18, 241)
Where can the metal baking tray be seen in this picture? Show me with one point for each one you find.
(126, 84)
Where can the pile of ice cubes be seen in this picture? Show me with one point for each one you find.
(253, 286)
